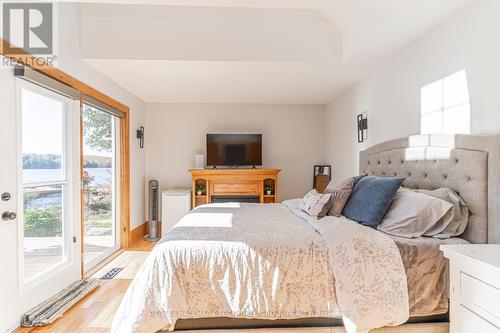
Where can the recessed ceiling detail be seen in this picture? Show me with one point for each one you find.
(254, 52)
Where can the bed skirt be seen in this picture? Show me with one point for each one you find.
(406, 328)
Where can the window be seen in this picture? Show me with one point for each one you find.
(445, 106)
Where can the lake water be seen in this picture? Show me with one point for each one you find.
(102, 176)
(48, 198)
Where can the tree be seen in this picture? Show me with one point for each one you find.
(97, 129)
(41, 161)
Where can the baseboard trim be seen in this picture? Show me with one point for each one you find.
(137, 233)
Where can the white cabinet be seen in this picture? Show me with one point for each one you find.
(468, 321)
(474, 287)
(174, 205)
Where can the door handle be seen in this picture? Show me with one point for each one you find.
(5, 196)
(9, 216)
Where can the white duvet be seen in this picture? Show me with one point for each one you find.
(267, 262)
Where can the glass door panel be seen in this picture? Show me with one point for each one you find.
(42, 137)
(43, 228)
(45, 236)
(99, 185)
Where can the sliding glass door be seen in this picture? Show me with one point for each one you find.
(99, 185)
(47, 141)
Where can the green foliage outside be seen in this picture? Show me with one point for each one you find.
(97, 129)
(97, 209)
(42, 223)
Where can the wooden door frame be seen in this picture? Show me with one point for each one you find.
(28, 60)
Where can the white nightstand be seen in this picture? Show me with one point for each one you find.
(474, 287)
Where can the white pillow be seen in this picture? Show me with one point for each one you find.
(316, 204)
(413, 214)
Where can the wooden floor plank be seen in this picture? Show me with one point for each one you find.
(94, 313)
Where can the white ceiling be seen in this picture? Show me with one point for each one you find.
(251, 51)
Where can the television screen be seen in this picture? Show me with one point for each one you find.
(234, 149)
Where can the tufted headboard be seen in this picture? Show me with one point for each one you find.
(466, 163)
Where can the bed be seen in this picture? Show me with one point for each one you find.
(266, 266)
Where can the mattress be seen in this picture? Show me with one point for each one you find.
(427, 277)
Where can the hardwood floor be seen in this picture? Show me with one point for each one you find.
(94, 313)
(130, 261)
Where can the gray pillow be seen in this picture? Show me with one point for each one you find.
(414, 214)
(370, 199)
(461, 213)
(340, 191)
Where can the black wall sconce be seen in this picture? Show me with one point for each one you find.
(140, 136)
(362, 120)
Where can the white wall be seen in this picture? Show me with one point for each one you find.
(67, 37)
(392, 97)
(69, 60)
(293, 139)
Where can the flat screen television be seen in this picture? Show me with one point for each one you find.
(234, 149)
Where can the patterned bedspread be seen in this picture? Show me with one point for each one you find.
(267, 262)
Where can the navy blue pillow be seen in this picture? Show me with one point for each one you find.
(356, 179)
(370, 199)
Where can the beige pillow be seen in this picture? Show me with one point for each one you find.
(340, 191)
(461, 213)
(316, 204)
(413, 214)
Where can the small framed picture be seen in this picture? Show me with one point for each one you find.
(362, 122)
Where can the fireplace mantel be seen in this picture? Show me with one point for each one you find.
(234, 182)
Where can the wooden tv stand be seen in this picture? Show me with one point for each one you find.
(234, 183)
